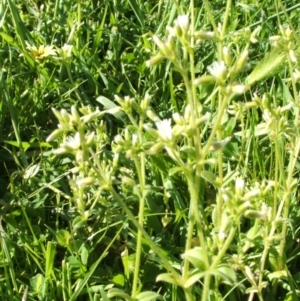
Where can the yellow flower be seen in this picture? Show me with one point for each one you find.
(42, 51)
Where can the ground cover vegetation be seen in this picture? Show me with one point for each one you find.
(149, 150)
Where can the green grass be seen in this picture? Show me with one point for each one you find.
(135, 167)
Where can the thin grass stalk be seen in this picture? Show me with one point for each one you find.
(79, 9)
(211, 17)
(135, 222)
(14, 121)
(92, 269)
(11, 270)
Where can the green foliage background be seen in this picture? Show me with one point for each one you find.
(47, 250)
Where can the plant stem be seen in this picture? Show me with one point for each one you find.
(103, 178)
(140, 167)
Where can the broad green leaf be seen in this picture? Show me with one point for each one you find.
(37, 283)
(196, 257)
(84, 254)
(227, 274)
(194, 277)
(10, 40)
(278, 275)
(78, 222)
(63, 238)
(119, 280)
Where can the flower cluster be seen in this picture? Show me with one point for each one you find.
(284, 42)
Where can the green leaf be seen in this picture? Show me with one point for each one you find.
(63, 238)
(278, 275)
(84, 254)
(103, 294)
(276, 261)
(10, 40)
(115, 292)
(50, 255)
(137, 12)
(108, 104)
(196, 257)
(209, 177)
(148, 296)
(167, 277)
(289, 297)
(119, 280)
(37, 283)
(175, 170)
(78, 222)
(194, 277)
(125, 261)
(230, 126)
(227, 274)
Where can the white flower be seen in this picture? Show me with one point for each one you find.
(72, 142)
(221, 235)
(239, 186)
(296, 75)
(66, 51)
(239, 89)
(217, 70)
(183, 22)
(292, 56)
(164, 129)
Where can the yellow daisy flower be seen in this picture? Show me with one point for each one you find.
(42, 51)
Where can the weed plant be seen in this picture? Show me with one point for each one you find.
(149, 150)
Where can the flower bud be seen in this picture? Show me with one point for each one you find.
(204, 80)
(253, 214)
(145, 102)
(128, 181)
(227, 56)
(155, 149)
(57, 114)
(85, 181)
(154, 60)
(66, 117)
(239, 89)
(240, 62)
(239, 187)
(53, 135)
(204, 35)
(253, 35)
(162, 46)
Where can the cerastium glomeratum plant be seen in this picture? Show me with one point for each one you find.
(194, 140)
